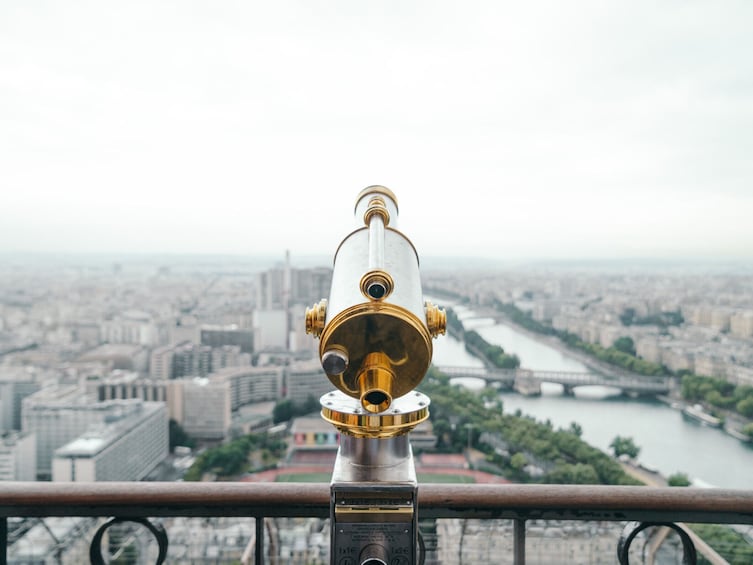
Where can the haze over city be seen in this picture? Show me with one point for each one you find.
(175, 178)
(506, 130)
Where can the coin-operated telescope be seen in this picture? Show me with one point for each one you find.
(375, 333)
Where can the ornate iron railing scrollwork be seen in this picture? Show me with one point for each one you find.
(632, 529)
(156, 529)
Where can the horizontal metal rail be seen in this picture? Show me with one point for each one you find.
(639, 504)
(479, 501)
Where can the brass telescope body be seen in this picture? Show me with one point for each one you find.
(375, 347)
(375, 330)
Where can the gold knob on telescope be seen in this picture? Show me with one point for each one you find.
(377, 204)
(315, 318)
(436, 319)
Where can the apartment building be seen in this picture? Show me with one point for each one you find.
(18, 457)
(130, 443)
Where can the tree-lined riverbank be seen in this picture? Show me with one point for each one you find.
(732, 404)
(670, 442)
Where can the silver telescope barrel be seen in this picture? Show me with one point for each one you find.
(375, 334)
(375, 329)
(378, 208)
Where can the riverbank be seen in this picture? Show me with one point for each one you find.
(646, 476)
(670, 443)
(733, 424)
(595, 365)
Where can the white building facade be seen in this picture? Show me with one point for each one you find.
(18, 457)
(59, 414)
(201, 406)
(130, 444)
(304, 379)
(250, 384)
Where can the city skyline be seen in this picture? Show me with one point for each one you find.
(506, 131)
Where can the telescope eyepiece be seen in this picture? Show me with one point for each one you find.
(376, 290)
(377, 284)
(375, 383)
(375, 397)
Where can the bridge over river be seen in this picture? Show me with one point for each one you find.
(528, 381)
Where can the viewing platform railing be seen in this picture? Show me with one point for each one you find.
(147, 502)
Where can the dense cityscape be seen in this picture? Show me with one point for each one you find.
(106, 365)
(190, 376)
(693, 319)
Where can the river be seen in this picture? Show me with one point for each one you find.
(669, 442)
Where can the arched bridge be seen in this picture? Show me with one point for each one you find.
(529, 381)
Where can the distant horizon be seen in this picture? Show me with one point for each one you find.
(432, 262)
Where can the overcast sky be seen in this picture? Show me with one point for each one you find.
(593, 129)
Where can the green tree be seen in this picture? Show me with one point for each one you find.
(678, 480)
(518, 461)
(453, 322)
(577, 474)
(283, 411)
(493, 353)
(748, 430)
(624, 446)
(627, 316)
(536, 442)
(585, 474)
(178, 436)
(745, 407)
(731, 545)
(576, 429)
(625, 345)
